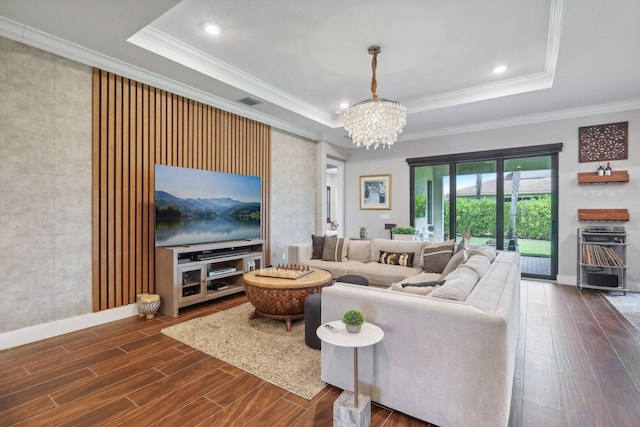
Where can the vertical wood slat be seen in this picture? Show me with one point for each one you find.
(136, 126)
(118, 298)
(96, 192)
(126, 284)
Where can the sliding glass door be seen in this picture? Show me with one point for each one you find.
(506, 200)
(529, 200)
(476, 202)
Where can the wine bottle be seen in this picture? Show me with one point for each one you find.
(607, 170)
(600, 170)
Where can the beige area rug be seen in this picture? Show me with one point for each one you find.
(259, 346)
(628, 305)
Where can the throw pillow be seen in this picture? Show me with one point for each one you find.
(335, 249)
(395, 258)
(436, 256)
(423, 284)
(317, 246)
(359, 250)
(454, 262)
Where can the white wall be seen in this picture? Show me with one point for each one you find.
(572, 196)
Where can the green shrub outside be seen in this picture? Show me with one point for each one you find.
(532, 218)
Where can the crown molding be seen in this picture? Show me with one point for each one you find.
(571, 113)
(480, 93)
(162, 44)
(52, 44)
(528, 83)
(169, 47)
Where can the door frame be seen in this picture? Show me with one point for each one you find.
(498, 155)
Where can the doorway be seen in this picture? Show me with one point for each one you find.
(334, 206)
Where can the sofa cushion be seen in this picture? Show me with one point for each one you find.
(335, 248)
(424, 290)
(478, 263)
(454, 262)
(435, 256)
(336, 268)
(395, 258)
(359, 250)
(487, 251)
(382, 274)
(317, 245)
(398, 246)
(457, 286)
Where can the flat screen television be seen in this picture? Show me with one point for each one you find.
(197, 206)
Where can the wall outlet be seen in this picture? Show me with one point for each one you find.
(284, 256)
(384, 216)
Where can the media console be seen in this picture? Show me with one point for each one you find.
(191, 274)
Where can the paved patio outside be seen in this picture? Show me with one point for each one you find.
(535, 265)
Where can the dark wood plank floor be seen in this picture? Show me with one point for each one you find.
(578, 364)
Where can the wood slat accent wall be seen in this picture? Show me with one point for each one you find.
(134, 127)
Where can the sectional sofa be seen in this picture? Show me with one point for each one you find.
(448, 355)
(361, 257)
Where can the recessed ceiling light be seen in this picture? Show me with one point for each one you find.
(344, 105)
(212, 29)
(499, 69)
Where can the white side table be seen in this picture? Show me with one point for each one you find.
(369, 334)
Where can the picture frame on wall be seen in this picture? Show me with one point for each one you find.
(375, 192)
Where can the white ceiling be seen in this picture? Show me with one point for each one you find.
(302, 58)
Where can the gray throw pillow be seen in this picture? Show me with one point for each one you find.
(317, 245)
(436, 256)
(335, 249)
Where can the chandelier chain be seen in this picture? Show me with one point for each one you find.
(374, 82)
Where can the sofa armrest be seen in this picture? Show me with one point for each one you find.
(300, 253)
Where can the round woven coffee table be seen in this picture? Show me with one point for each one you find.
(280, 298)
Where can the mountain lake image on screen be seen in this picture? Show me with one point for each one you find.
(197, 206)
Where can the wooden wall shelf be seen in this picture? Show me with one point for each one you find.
(594, 178)
(603, 215)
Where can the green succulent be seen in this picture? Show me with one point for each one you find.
(353, 317)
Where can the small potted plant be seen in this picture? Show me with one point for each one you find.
(354, 320)
(403, 233)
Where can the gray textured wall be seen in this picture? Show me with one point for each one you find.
(293, 192)
(45, 187)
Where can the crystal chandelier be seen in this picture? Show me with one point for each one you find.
(376, 121)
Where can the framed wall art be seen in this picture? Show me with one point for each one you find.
(603, 142)
(375, 192)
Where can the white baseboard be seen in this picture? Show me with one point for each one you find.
(64, 326)
(565, 280)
